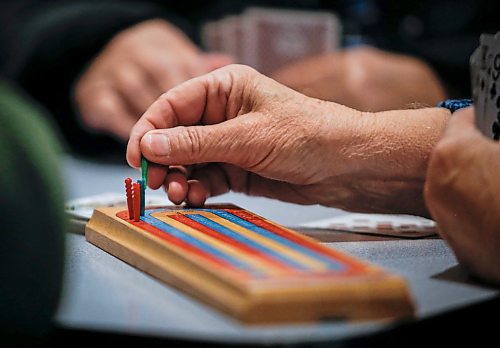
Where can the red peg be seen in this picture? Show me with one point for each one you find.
(130, 204)
(137, 202)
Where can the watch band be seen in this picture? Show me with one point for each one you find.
(455, 104)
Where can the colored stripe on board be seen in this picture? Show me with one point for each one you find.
(309, 263)
(256, 262)
(244, 248)
(166, 228)
(188, 248)
(354, 265)
(332, 264)
(239, 237)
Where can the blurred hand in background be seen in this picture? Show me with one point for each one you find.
(135, 68)
(364, 78)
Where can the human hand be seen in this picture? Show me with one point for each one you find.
(249, 133)
(135, 68)
(364, 78)
(461, 193)
(236, 129)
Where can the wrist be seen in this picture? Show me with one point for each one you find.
(382, 157)
(395, 143)
(347, 138)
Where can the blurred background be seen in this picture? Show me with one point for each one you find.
(95, 66)
(76, 75)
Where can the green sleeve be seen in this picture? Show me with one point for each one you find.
(32, 218)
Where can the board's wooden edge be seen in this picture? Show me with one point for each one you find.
(386, 297)
(143, 251)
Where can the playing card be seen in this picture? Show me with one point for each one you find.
(268, 39)
(230, 28)
(273, 38)
(485, 73)
(211, 36)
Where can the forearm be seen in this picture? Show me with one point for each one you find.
(384, 157)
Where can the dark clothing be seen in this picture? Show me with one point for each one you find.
(46, 45)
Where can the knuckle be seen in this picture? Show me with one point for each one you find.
(183, 141)
(444, 169)
(444, 154)
(165, 98)
(241, 70)
(242, 67)
(122, 40)
(248, 71)
(128, 78)
(99, 109)
(158, 64)
(92, 120)
(103, 100)
(192, 140)
(186, 144)
(88, 110)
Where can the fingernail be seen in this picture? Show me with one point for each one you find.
(158, 144)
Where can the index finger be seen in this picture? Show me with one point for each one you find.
(182, 105)
(202, 98)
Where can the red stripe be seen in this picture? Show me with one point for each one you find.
(181, 244)
(212, 233)
(354, 265)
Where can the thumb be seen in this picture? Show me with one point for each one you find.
(226, 142)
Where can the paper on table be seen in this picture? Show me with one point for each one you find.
(80, 210)
(404, 226)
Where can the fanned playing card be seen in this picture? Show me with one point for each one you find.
(274, 38)
(485, 71)
(267, 38)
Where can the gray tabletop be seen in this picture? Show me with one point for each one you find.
(105, 294)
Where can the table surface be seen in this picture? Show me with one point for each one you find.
(103, 293)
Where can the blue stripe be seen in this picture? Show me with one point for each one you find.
(333, 265)
(197, 243)
(240, 238)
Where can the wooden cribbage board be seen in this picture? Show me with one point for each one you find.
(249, 267)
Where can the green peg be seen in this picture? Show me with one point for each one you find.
(144, 171)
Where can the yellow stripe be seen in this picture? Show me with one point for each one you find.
(277, 247)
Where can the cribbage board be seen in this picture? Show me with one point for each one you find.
(247, 266)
